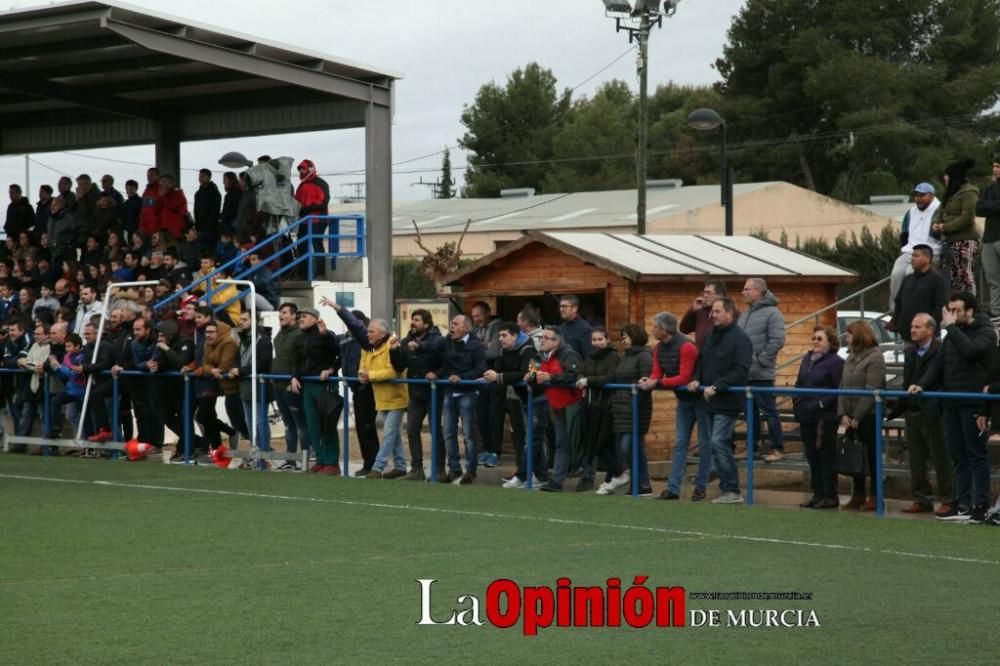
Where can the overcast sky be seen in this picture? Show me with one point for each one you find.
(445, 50)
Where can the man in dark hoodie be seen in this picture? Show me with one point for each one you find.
(724, 361)
(176, 353)
(765, 326)
(964, 364)
(20, 214)
(418, 362)
(87, 194)
(207, 204)
(514, 363)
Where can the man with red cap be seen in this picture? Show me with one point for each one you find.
(313, 195)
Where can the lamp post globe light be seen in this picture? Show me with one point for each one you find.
(637, 21)
(709, 119)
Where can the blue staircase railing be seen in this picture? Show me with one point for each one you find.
(301, 248)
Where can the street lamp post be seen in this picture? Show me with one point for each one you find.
(648, 14)
(709, 119)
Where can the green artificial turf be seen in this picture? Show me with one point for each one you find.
(92, 572)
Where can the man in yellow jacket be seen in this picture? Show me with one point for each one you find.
(390, 399)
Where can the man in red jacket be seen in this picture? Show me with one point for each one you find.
(171, 207)
(313, 195)
(147, 214)
(674, 359)
(558, 373)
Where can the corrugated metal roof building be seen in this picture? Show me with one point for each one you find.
(622, 278)
(771, 206)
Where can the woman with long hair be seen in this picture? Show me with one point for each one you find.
(817, 416)
(636, 363)
(864, 369)
(598, 370)
(955, 223)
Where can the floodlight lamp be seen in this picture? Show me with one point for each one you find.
(617, 6)
(646, 7)
(235, 160)
(670, 7)
(704, 119)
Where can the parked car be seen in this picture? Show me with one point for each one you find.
(891, 343)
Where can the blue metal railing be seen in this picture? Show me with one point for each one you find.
(879, 397)
(306, 253)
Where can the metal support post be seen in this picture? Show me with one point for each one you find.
(751, 412)
(635, 441)
(435, 433)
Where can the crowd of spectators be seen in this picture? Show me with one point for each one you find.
(61, 254)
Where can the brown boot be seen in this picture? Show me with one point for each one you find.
(869, 505)
(856, 502)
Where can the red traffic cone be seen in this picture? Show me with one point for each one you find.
(220, 457)
(136, 450)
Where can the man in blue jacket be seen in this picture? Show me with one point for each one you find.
(463, 358)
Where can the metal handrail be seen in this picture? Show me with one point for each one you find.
(837, 303)
(240, 257)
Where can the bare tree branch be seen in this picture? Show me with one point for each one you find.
(420, 239)
(458, 247)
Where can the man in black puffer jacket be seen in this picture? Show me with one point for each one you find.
(724, 361)
(964, 364)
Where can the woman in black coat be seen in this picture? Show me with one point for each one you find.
(598, 370)
(817, 416)
(636, 363)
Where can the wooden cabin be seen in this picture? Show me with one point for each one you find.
(622, 278)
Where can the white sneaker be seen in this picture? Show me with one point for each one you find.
(728, 498)
(622, 479)
(605, 489)
(514, 482)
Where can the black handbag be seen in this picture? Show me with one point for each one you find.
(851, 459)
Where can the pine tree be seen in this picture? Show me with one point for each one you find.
(446, 185)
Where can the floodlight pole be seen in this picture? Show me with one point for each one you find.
(253, 363)
(97, 344)
(640, 157)
(648, 19)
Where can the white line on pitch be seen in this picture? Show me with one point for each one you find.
(511, 516)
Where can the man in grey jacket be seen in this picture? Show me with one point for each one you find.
(765, 326)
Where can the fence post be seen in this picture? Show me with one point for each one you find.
(877, 472)
(751, 413)
(635, 441)
(187, 419)
(435, 435)
(529, 439)
(46, 408)
(346, 394)
(115, 410)
(262, 420)
(309, 250)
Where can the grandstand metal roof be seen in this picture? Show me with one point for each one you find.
(658, 257)
(579, 210)
(87, 74)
